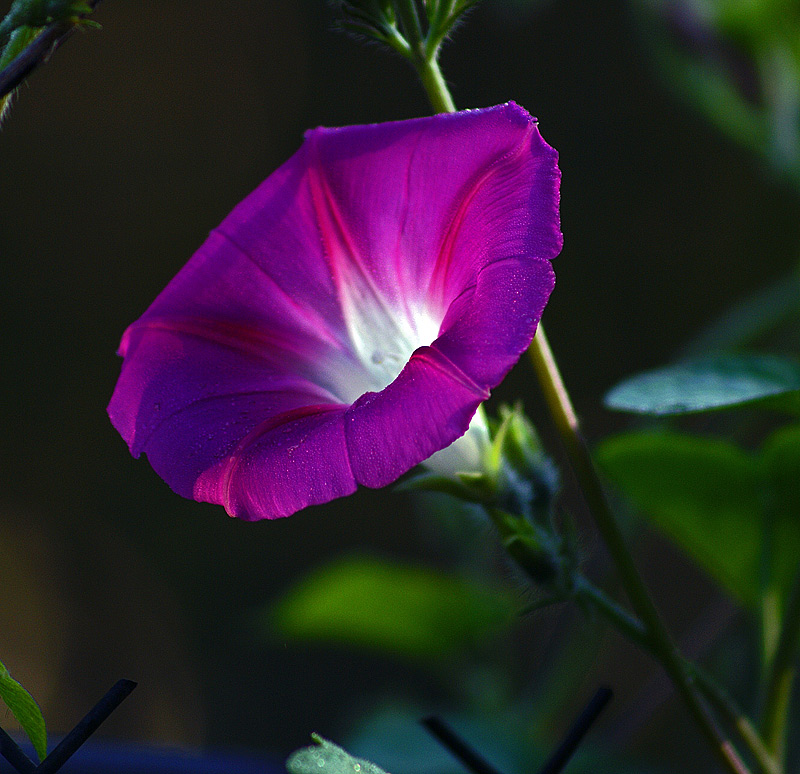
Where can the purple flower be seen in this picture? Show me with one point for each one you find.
(346, 320)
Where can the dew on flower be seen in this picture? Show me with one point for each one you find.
(394, 273)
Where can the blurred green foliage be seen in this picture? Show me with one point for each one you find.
(738, 61)
(732, 511)
(392, 608)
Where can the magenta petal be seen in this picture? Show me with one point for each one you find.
(425, 409)
(284, 465)
(168, 370)
(417, 201)
(276, 369)
(491, 324)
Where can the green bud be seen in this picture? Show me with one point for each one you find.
(526, 480)
(536, 550)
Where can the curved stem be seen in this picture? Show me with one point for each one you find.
(661, 643)
(728, 709)
(580, 457)
(20, 39)
(633, 629)
(780, 677)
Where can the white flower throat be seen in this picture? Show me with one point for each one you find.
(382, 340)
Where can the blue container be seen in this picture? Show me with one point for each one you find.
(101, 757)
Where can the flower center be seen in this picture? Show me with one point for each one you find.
(382, 341)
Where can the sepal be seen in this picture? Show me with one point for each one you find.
(415, 28)
(473, 487)
(525, 478)
(546, 558)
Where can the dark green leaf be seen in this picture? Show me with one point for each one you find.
(392, 608)
(722, 381)
(330, 758)
(705, 495)
(25, 710)
(781, 459)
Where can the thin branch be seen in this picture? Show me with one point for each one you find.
(12, 752)
(36, 53)
(90, 723)
(661, 642)
(780, 677)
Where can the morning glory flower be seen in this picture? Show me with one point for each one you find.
(346, 320)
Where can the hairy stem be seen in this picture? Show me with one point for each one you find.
(40, 48)
(435, 86)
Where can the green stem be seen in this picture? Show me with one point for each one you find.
(633, 629)
(38, 51)
(780, 677)
(728, 709)
(409, 19)
(580, 457)
(433, 82)
(17, 43)
(661, 643)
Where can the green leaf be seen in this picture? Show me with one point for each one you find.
(38, 13)
(25, 710)
(399, 609)
(703, 494)
(718, 382)
(330, 758)
(781, 462)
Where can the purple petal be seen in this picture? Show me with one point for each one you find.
(431, 199)
(276, 369)
(492, 323)
(426, 408)
(296, 460)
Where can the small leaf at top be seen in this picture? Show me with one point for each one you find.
(25, 710)
(717, 382)
(392, 608)
(327, 758)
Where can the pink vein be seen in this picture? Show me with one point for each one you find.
(445, 255)
(318, 324)
(236, 336)
(258, 432)
(332, 229)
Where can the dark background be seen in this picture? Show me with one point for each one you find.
(117, 159)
